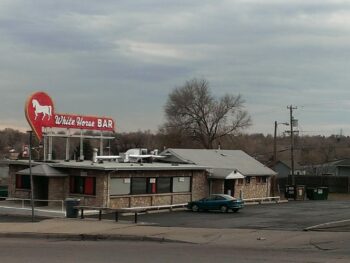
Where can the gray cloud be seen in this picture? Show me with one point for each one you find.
(122, 58)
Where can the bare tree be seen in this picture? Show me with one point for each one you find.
(196, 112)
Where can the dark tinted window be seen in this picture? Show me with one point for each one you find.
(139, 186)
(164, 185)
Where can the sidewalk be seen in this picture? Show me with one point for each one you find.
(92, 229)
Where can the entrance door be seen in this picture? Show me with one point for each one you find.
(229, 187)
(41, 190)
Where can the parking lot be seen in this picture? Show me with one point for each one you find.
(294, 215)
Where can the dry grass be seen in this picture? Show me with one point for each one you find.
(338, 197)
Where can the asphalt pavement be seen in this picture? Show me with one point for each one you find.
(332, 237)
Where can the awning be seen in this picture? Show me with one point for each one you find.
(235, 175)
(43, 170)
(225, 174)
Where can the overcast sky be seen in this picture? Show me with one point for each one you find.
(122, 58)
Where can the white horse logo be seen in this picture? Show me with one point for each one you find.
(44, 109)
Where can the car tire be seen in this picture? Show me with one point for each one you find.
(235, 210)
(223, 209)
(195, 208)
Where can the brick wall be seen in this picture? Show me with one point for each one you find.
(200, 185)
(217, 186)
(100, 199)
(12, 191)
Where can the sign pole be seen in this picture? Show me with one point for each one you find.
(31, 175)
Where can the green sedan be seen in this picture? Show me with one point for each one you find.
(221, 202)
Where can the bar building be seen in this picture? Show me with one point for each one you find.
(181, 176)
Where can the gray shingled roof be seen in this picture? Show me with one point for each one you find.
(221, 159)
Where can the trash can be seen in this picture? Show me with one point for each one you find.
(317, 193)
(3, 192)
(300, 192)
(290, 192)
(70, 203)
(322, 193)
(310, 193)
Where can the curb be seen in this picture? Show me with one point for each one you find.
(90, 237)
(328, 225)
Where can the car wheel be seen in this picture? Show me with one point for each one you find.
(235, 210)
(223, 209)
(195, 208)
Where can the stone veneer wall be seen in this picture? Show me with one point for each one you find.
(254, 189)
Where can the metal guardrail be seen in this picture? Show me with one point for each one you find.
(157, 207)
(260, 200)
(24, 201)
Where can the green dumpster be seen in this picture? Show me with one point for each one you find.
(317, 193)
(310, 193)
(322, 193)
(3, 191)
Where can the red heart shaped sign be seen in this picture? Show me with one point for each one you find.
(39, 110)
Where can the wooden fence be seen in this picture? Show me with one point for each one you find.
(335, 184)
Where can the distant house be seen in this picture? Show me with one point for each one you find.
(284, 169)
(335, 168)
(229, 171)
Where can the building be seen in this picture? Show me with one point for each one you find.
(183, 175)
(284, 169)
(109, 183)
(339, 167)
(229, 171)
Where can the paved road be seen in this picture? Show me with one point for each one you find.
(294, 215)
(43, 251)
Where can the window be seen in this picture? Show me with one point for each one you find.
(264, 179)
(247, 180)
(240, 181)
(181, 184)
(83, 185)
(164, 185)
(120, 186)
(139, 186)
(150, 185)
(258, 179)
(22, 181)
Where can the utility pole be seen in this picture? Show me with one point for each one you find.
(31, 175)
(275, 146)
(292, 123)
(275, 141)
